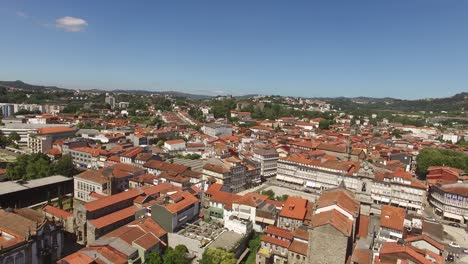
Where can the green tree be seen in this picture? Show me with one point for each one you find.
(217, 256)
(324, 124)
(13, 137)
(153, 258)
(64, 166)
(440, 157)
(178, 255)
(27, 167)
(270, 193)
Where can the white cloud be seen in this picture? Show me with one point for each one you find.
(71, 24)
(22, 14)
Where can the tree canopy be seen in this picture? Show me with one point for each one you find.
(38, 165)
(440, 157)
(217, 256)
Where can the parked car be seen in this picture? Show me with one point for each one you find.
(432, 219)
(454, 224)
(453, 244)
(465, 250)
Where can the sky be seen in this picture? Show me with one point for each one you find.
(398, 48)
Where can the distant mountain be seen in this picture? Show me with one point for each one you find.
(457, 102)
(29, 87)
(37, 88)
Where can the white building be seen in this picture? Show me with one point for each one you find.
(176, 145)
(217, 129)
(450, 201)
(268, 159)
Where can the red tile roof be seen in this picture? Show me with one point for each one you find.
(392, 217)
(57, 212)
(187, 200)
(299, 247)
(53, 130)
(279, 232)
(335, 219)
(110, 200)
(251, 199)
(114, 217)
(363, 228)
(295, 208)
(276, 241)
(340, 197)
(77, 258)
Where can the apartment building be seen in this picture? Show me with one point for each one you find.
(105, 181)
(268, 160)
(450, 201)
(217, 129)
(232, 173)
(41, 140)
(400, 189)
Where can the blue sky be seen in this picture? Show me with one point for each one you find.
(398, 48)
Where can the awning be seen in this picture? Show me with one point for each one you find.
(310, 184)
(438, 210)
(403, 204)
(281, 178)
(293, 180)
(377, 198)
(385, 200)
(414, 206)
(265, 220)
(453, 216)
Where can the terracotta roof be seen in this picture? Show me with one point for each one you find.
(165, 166)
(57, 212)
(175, 141)
(113, 199)
(216, 168)
(456, 188)
(392, 217)
(132, 152)
(279, 232)
(363, 228)
(225, 198)
(301, 234)
(295, 208)
(113, 217)
(57, 129)
(188, 199)
(335, 219)
(340, 197)
(361, 256)
(109, 254)
(54, 151)
(93, 151)
(428, 239)
(299, 247)
(403, 252)
(138, 230)
(251, 199)
(214, 188)
(77, 258)
(276, 241)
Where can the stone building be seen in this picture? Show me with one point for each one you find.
(27, 236)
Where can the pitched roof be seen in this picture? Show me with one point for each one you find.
(392, 217)
(404, 252)
(279, 232)
(186, 200)
(251, 199)
(77, 258)
(335, 219)
(340, 197)
(295, 208)
(57, 212)
(428, 239)
(114, 217)
(165, 166)
(276, 241)
(110, 200)
(299, 247)
(56, 129)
